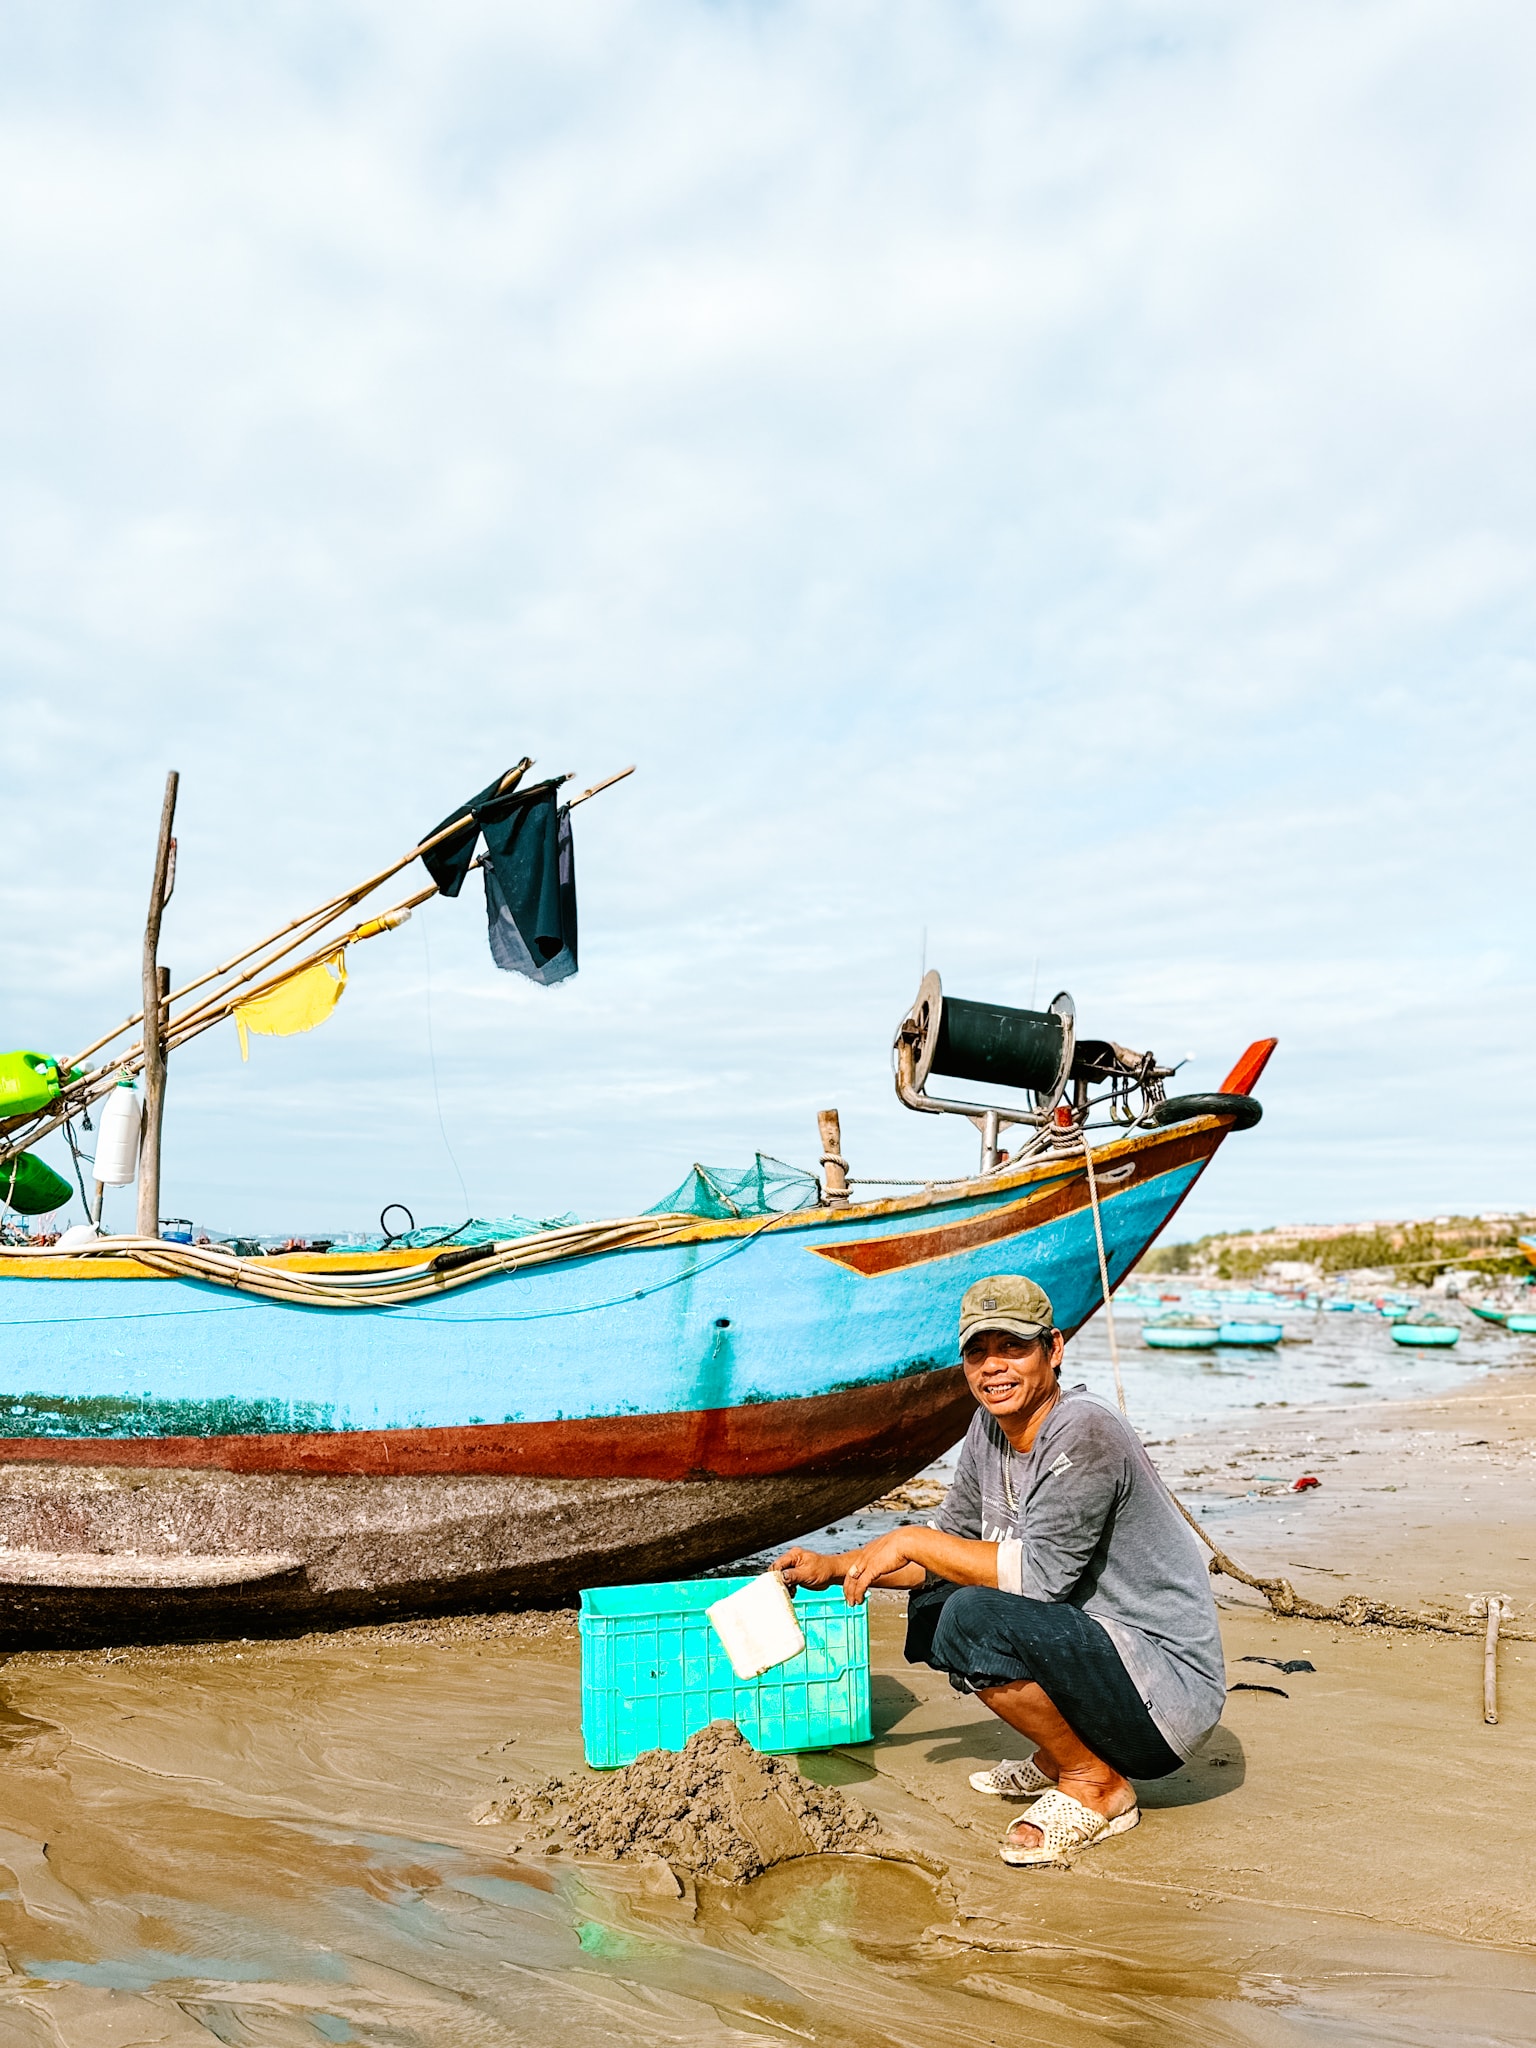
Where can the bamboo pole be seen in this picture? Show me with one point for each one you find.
(190, 1024)
(193, 1022)
(157, 982)
(299, 931)
(317, 918)
(606, 783)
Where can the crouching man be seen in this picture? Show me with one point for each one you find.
(1059, 1583)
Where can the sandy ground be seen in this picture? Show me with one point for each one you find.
(1427, 1502)
(273, 1843)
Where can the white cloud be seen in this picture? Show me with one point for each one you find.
(1047, 475)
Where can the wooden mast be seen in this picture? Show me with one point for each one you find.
(156, 989)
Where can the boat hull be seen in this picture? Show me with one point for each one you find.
(324, 1551)
(644, 1413)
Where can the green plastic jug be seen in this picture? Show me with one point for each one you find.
(30, 1187)
(27, 1082)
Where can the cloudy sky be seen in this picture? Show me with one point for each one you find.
(1045, 489)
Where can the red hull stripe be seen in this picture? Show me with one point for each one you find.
(874, 1255)
(871, 1428)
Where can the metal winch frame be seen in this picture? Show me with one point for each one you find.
(1038, 1052)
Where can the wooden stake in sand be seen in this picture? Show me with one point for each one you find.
(1491, 1661)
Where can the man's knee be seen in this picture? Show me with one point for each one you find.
(964, 1623)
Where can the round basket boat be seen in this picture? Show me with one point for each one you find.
(1426, 1335)
(1254, 1333)
(1181, 1333)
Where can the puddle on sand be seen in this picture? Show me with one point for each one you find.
(844, 1908)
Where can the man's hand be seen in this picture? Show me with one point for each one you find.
(891, 1559)
(809, 1568)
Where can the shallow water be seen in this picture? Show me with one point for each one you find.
(1324, 1358)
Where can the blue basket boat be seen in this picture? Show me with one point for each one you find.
(1427, 1332)
(1181, 1333)
(1253, 1333)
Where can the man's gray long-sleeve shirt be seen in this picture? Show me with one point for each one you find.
(1090, 1521)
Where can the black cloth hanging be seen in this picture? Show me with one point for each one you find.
(530, 885)
(448, 864)
(530, 876)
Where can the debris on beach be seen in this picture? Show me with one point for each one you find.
(716, 1808)
(920, 1494)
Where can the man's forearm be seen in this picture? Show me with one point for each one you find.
(960, 1559)
(840, 1564)
(903, 1557)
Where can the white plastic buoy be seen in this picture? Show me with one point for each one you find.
(117, 1136)
(78, 1234)
(757, 1626)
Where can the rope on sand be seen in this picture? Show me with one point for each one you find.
(1355, 1610)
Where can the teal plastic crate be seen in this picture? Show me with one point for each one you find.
(653, 1672)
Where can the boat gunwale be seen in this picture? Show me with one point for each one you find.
(29, 1262)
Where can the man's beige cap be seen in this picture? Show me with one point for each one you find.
(1007, 1301)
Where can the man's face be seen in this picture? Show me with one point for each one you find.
(1010, 1375)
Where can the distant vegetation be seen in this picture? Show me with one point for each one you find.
(1414, 1251)
(1173, 1258)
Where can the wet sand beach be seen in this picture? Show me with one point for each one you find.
(274, 1843)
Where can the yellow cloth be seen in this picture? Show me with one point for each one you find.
(300, 1003)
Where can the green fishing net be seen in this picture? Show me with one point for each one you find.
(765, 1188)
(478, 1230)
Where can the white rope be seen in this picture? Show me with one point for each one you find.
(1109, 1306)
(1279, 1592)
(421, 1282)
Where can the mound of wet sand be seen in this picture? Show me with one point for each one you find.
(715, 1808)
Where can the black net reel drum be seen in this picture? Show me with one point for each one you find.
(992, 1044)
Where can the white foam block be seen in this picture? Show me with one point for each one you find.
(757, 1626)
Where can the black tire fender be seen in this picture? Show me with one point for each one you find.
(1182, 1109)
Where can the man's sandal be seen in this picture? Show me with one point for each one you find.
(1015, 1778)
(1066, 1826)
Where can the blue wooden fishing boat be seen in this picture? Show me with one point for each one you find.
(192, 1439)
